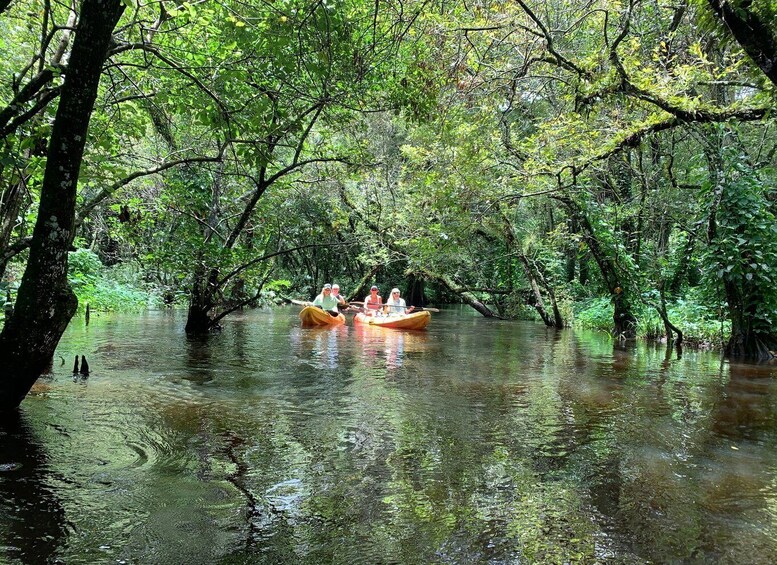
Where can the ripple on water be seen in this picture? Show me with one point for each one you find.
(177, 450)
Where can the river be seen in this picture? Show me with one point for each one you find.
(475, 441)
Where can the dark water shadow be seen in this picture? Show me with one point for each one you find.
(198, 361)
(746, 410)
(36, 525)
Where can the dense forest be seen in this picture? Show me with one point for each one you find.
(581, 162)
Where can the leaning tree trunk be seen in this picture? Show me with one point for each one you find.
(45, 302)
(669, 328)
(624, 321)
(535, 278)
(539, 302)
(466, 296)
(752, 31)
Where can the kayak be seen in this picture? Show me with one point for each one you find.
(314, 316)
(413, 321)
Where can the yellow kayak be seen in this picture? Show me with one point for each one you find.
(314, 316)
(413, 321)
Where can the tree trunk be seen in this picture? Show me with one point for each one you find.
(462, 293)
(366, 281)
(624, 322)
(745, 344)
(10, 205)
(415, 291)
(753, 33)
(198, 320)
(558, 320)
(202, 300)
(538, 302)
(45, 302)
(744, 341)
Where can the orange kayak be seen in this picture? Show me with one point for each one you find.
(413, 321)
(314, 316)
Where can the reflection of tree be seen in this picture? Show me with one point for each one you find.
(240, 336)
(33, 516)
(746, 411)
(670, 451)
(198, 359)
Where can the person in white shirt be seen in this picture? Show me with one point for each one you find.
(336, 294)
(396, 305)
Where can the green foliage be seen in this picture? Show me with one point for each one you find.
(742, 257)
(594, 314)
(98, 286)
(436, 150)
(700, 324)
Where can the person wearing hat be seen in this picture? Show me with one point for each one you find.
(326, 301)
(336, 295)
(374, 301)
(395, 304)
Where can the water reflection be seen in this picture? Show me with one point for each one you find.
(473, 441)
(199, 365)
(318, 346)
(389, 347)
(33, 526)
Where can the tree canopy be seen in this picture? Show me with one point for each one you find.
(526, 158)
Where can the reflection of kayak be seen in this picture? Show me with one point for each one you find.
(414, 321)
(314, 316)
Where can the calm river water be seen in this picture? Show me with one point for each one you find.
(475, 441)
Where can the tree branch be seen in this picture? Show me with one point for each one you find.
(562, 61)
(755, 36)
(108, 191)
(225, 279)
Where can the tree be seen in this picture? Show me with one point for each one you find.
(23, 127)
(742, 231)
(45, 301)
(581, 96)
(751, 23)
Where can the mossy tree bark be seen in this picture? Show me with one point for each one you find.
(45, 302)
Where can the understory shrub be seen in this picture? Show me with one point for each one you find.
(594, 314)
(106, 289)
(701, 325)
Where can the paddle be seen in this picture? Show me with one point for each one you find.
(416, 309)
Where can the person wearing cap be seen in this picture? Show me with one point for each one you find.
(336, 295)
(374, 301)
(326, 301)
(395, 304)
